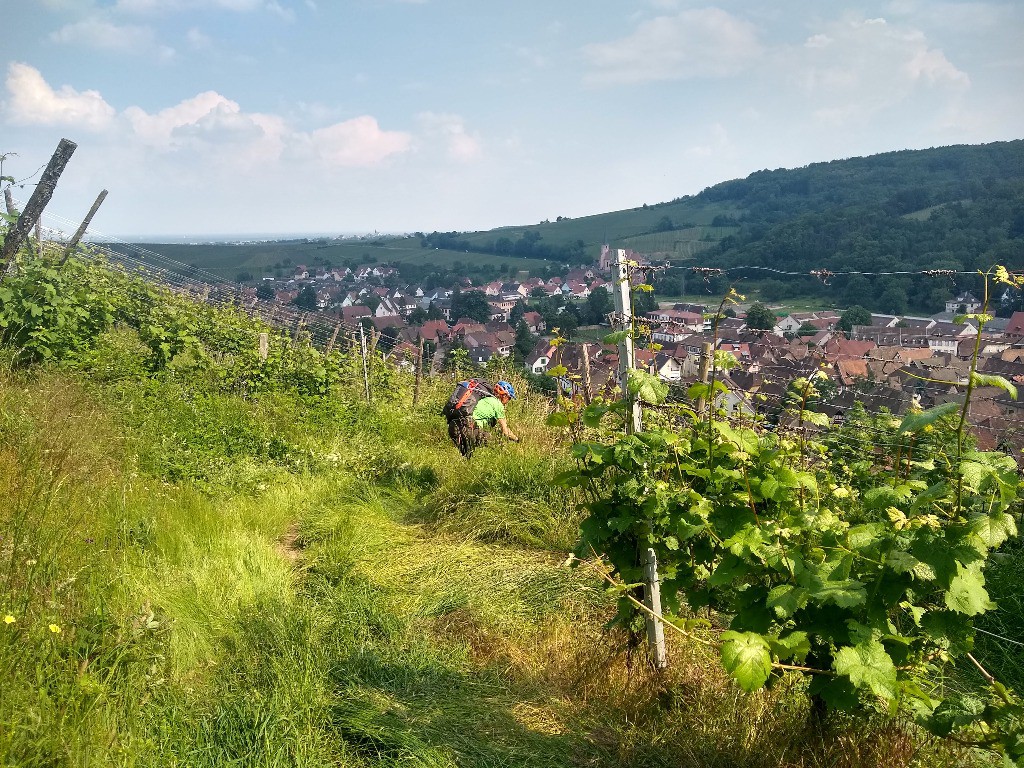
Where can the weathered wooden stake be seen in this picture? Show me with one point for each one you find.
(298, 329)
(419, 371)
(9, 199)
(624, 307)
(17, 234)
(705, 367)
(80, 232)
(334, 336)
(362, 352)
(652, 587)
(264, 346)
(587, 392)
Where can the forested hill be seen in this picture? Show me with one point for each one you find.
(953, 207)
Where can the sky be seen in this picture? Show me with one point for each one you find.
(210, 117)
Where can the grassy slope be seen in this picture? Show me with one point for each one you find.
(229, 260)
(622, 229)
(366, 598)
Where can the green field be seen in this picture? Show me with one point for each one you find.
(260, 258)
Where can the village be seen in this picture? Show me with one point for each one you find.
(894, 362)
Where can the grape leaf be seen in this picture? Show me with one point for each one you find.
(868, 666)
(966, 593)
(747, 658)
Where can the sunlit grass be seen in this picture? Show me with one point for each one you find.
(367, 598)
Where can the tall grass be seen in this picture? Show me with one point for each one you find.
(276, 581)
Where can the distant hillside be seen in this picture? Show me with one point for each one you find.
(959, 208)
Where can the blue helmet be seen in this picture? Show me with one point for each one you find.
(505, 388)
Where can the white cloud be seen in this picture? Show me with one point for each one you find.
(163, 6)
(853, 68)
(213, 126)
(286, 14)
(358, 142)
(717, 145)
(105, 35)
(460, 145)
(33, 102)
(198, 39)
(706, 42)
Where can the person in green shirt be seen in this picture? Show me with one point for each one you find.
(488, 412)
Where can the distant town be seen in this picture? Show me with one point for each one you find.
(892, 362)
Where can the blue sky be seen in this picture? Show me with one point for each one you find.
(244, 116)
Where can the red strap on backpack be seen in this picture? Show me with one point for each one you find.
(469, 390)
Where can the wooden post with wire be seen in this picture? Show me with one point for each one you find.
(419, 371)
(264, 349)
(334, 337)
(83, 227)
(19, 232)
(706, 353)
(652, 585)
(587, 392)
(9, 200)
(362, 352)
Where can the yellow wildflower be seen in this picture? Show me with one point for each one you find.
(55, 629)
(8, 619)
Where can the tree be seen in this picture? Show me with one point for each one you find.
(664, 225)
(855, 315)
(418, 316)
(433, 313)
(472, 304)
(517, 313)
(265, 291)
(306, 299)
(759, 317)
(643, 302)
(567, 324)
(524, 341)
(598, 307)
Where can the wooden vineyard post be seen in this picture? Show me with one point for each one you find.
(587, 394)
(73, 242)
(264, 346)
(419, 371)
(334, 337)
(298, 329)
(362, 352)
(624, 308)
(9, 200)
(18, 233)
(652, 585)
(705, 366)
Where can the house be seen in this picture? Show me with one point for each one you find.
(540, 357)
(355, 313)
(1015, 328)
(668, 367)
(577, 288)
(670, 333)
(386, 308)
(693, 321)
(435, 331)
(444, 306)
(964, 304)
(534, 322)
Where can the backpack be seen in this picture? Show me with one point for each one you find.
(464, 399)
